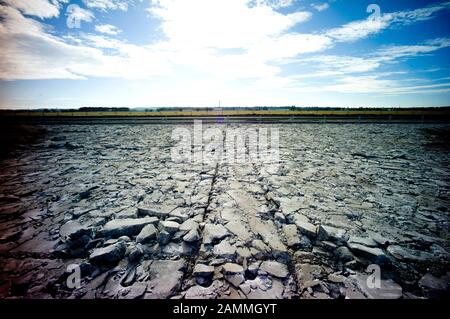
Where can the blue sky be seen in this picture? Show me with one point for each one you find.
(153, 53)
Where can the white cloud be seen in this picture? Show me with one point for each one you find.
(276, 4)
(225, 40)
(47, 59)
(107, 4)
(377, 85)
(354, 84)
(395, 52)
(76, 13)
(431, 88)
(53, 58)
(198, 32)
(417, 15)
(97, 41)
(320, 6)
(221, 24)
(358, 29)
(362, 28)
(289, 45)
(340, 65)
(348, 74)
(107, 29)
(39, 8)
(361, 84)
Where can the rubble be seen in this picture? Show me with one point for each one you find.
(203, 270)
(170, 226)
(306, 228)
(108, 255)
(213, 233)
(388, 289)
(274, 268)
(148, 233)
(126, 226)
(110, 199)
(332, 233)
(403, 253)
(376, 255)
(435, 287)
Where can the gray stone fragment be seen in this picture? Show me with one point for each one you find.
(199, 292)
(233, 273)
(177, 249)
(280, 218)
(170, 226)
(435, 287)
(178, 220)
(366, 241)
(299, 218)
(189, 225)
(335, 278)
(308, 274)
(344, 254)
(203, 270)
(180, 214)
(124, 238)
(165, 278)
(126, 226)
(269, 234)
(332, 233)
(164, 237)
(192, 236)
(292, 237)
(231, 268)
(305, 243)
(239, 230)
(407, 254)
(307, 229)
(213, 233)
(235, 279)
(154, 212)
(376, 255)
(291, 205)
(263, 288)
(135, 291)
(224, 250)
(243, 253)
(329, 246)
(388, 289)
(254, 267)
(261, 246)
(72, 230)
(147, 234)
(319, 252)
(136, 253)
(380, 240)
(275, 269)
(108, 255)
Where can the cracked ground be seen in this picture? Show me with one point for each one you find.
(110, 200)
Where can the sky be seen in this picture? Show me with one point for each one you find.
(195, 53)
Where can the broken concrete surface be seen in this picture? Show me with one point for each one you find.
(142, 226)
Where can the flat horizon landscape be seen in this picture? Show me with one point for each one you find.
(252, 153)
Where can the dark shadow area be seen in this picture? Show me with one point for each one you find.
(438, 137)
(18, 137)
